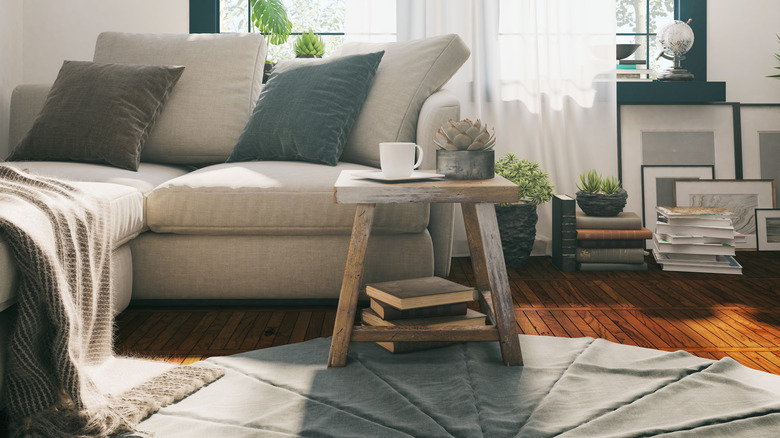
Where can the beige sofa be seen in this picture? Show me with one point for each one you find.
(188, 226)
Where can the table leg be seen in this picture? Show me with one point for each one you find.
(350, 285)
(487, 258)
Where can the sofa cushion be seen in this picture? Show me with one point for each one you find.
(210, 104)
(307, 109)
(267, 197)
(147, 177)
(410, 71)
(99, 113)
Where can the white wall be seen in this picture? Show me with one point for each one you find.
(741, 43)
(10, 62)
(36, 36)
(56, 30)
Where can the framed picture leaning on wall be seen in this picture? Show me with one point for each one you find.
(741, 196)
(658, 187)
(768, 229)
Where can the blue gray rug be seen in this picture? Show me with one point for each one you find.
(568, 387)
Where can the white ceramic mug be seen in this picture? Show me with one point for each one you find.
(397, 159)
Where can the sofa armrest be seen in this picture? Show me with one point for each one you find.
(26, 102)
(437, 109)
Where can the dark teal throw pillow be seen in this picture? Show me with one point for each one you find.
(306, 109)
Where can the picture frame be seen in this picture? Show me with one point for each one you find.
(767, 229)
(658, 184)
(676, 132)
(740, 196)
(760, 135)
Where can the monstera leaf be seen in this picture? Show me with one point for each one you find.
(270, 19)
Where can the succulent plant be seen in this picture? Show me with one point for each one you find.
(309, 44)
(610, 185)
(464, 135)
(593, 182)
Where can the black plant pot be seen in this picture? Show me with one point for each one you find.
(599, 204)
(517, 225)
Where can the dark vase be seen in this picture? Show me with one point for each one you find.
(517, 226)
(267, 68)
(466, 164)
(599, 204)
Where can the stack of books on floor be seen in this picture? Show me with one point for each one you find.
(633, 70)
(427, 301)
(696, 239)
(611, 243)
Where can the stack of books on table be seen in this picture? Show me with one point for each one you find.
(633, 70)
(612, 243)
(427, 301)
(696, 239)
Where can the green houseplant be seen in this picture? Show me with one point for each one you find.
(600, 196)
(309, 45)
(777, 56)
(270, 18)
(517, 221)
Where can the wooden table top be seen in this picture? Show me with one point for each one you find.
(350, 189)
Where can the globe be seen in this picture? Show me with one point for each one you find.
(675, 39)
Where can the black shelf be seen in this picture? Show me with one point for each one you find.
(654, 92)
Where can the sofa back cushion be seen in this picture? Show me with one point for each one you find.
(409, 73)
(210, 105)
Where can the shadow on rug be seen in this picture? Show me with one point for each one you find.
(568, 387)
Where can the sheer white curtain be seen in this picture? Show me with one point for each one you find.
(542, 73)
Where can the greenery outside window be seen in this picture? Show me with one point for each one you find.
(324, 17)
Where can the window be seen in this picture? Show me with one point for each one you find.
(324, 17)
(637, 23)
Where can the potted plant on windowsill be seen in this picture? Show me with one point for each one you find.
(270, 18)
(309, 45)
(465, 150)
(599, 196)
(517, 221)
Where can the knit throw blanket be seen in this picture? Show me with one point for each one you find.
(62, 378)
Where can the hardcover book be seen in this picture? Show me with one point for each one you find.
(564, 233)
(640, 233)
(690, 238)
(733, 267)
(626, 220)
(470, 319)
(420, 292)
(612, 266)
(694, 248)
(386, 311)
(678, 259)
(610, 255)
(718, 232)
(611, 243)
(694, 212)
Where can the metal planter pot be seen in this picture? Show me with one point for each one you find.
(517, 226)
(466, 164)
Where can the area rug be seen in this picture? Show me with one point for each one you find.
(567, 387)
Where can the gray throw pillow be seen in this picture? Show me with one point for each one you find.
(306, 109)
(98, 113)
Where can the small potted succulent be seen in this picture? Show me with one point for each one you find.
(517, 221)
(599, 196)
(465, 150)
(309, 45)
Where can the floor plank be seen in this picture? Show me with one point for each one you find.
(712, 316)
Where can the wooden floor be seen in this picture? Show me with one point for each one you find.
(708, 315)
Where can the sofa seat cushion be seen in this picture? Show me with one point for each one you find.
(268, 197)
(147, 177)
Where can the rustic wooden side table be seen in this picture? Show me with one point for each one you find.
(476, 198)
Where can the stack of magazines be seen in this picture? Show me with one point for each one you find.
(696, 239)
